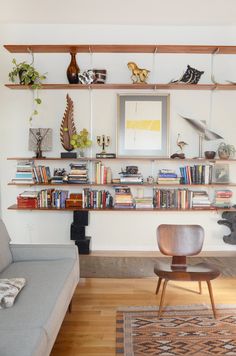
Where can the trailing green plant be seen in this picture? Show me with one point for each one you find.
(81, 140)
(26, 74)
(226, 150)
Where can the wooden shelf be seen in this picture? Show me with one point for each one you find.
(14, 207)
(120, 48)
(177, 86)
(129, 158)
(154, 185)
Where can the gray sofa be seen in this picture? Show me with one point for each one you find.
(30, 327)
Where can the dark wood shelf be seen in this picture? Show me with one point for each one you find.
(120, 48)
(130, 158)
(154, 185)
(177, 86)
(14, 207)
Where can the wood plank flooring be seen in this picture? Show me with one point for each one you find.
(90, 328)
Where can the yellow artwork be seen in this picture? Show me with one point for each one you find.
(149, 125)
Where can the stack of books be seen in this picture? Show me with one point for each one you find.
(78, 173)
(131, 178)
(223, 198)
(24, 172)
(28, 199)
(172, 198)
(200, 200)
(167, 176)
(143, 203)
(123, 197)
(96, 199)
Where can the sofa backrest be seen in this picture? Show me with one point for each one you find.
(5, 252)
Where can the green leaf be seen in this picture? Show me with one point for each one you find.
(38, 101)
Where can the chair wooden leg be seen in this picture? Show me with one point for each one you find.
(162, 297)
(158, 285)
(200, 287)
(70, 307)
(211, 297)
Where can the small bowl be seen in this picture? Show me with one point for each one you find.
(210, 154)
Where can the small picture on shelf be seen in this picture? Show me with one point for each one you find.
(220, 173)
(40, 139)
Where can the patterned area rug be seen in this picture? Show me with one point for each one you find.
(179, 331)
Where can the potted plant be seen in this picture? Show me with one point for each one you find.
(225, 150)
(81, 141)
(26, 74)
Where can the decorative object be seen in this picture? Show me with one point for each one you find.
(181, 145)
(88, 77)
(73, 70)
(26, 74)
(150, 179)
(229, 221)
(68, 129)
(40, 140)
(190, 76)
(203, 131)
(104, 141)
(100, 76)
(210, 154)
(138, 75)
(220, 173)
(225, 151)
(81, 141)
(9, 289)
(143, 125)
(182, 330)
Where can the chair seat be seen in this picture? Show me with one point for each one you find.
(198, 272)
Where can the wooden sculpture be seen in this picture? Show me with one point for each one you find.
(67, 125)
(138, 75)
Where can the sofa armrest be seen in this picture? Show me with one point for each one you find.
(32, 252)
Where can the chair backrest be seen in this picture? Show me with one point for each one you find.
(180, 240)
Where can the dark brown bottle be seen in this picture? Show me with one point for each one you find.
(73, 70)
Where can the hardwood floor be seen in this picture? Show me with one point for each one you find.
(90, 328)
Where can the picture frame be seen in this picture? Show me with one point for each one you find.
(220, 174)
(143, 125)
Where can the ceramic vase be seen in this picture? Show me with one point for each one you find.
(73, 70)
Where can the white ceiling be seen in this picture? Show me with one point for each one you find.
(120, 12)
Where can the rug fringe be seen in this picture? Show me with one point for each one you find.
(176, 307)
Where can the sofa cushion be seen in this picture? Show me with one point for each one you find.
(5, 253)
(35, 303)
(23, 342)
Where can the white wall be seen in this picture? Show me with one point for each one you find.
(114, 230)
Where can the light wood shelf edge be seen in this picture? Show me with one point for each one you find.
(120, 48)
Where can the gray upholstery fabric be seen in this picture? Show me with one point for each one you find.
(37, 252)
(23, 342)
(5, 253)
(45, 282)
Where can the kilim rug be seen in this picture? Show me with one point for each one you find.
(179, 331)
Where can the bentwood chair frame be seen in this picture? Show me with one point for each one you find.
(180, 241)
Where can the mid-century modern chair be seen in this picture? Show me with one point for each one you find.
(180, 241)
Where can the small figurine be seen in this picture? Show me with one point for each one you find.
(138, 75)
(181, 145)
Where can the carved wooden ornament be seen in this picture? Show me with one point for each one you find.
(67, 125)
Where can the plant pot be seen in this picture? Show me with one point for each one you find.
(22, 82)
(210, 154)
(223, 155)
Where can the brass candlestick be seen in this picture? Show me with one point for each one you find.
(104, 141)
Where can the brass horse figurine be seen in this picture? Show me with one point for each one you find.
(138, 75)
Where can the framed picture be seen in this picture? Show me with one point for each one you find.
(40, 139)
(143, 125)
(220, 173)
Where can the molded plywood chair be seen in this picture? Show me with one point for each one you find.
(180, 241)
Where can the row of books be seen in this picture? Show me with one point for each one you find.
(197, 174)
(96, 198)
(180, 199)
(45, 198)
(103, 174)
